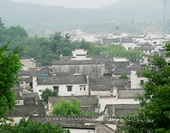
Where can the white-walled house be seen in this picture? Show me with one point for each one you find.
(129, 46)
(80, 54)
(28, 63)
(65, 85)
(136, 81)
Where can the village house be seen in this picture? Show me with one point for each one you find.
(88, 103)
(28, 63)
(117, 110)
(101, 86)
(147, 48)
(80, 124)
(137, 80)
(65, 85)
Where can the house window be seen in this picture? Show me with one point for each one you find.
(141, 82)
(39, 90)
(82, 87)
(56, 88)
(69, 88)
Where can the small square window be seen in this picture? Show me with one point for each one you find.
(56, 88)
(40, 90)
(141, 82)
(84, 88)
(69, 88)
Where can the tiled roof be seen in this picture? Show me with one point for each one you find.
(31, 95)
(121, 109)
(73, 62)
(120, 71)
(27, 110)
(121, 82)
(84, 100)
(62, 79)
(101, 84)
(64, 121)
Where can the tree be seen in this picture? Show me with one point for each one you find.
(120, 51)
(32, 127)
(9, 68)
(66, 108)
(154, 114)
(1, 23)
(123, 76)
(47, 92)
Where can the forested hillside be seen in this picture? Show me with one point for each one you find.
(126, 14)
(45, 49)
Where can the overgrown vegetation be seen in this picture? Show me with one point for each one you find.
(123, 76)
(45, 49)
(154, 114)
(70, 108)
(9, 67)
(32, 127)
(46, 93)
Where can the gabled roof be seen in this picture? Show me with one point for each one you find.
(118, 110)
(65, 122)
(129, 93)
(27, 110)
(75, 62)
(121, 82)
(147, 47)
(126, 40)
(31, 95)
(120, 71)
(86, 101)
(101, 84)
(62, 79)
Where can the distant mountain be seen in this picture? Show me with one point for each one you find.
(140, 9)
(27, 14)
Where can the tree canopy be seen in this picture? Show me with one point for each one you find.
(67, 108)
(47, 92)
(46, 49)
(120, 51)
(154, 114)
(9, 67)
(32, 127)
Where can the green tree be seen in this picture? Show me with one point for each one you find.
(47, 92)
(1, 23)
(154, 114)
(72, 108)
(9, 68)
(120, 51)
(32, 127)
(123, 76)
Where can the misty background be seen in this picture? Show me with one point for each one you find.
(40, 16)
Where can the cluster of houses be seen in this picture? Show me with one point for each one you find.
(104, 85)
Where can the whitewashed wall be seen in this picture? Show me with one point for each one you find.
(135, 80)
(76, 91)
(103, 101)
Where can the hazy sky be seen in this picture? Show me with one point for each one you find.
(72, 3)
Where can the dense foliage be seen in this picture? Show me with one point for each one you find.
(119, 51)
(67, 108)
(47, 92)
(45, 49)
(70, 108)
(32, 127)
(9, 67)
(154, 114)
(123, 76)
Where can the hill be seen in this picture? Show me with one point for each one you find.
(40, 17)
